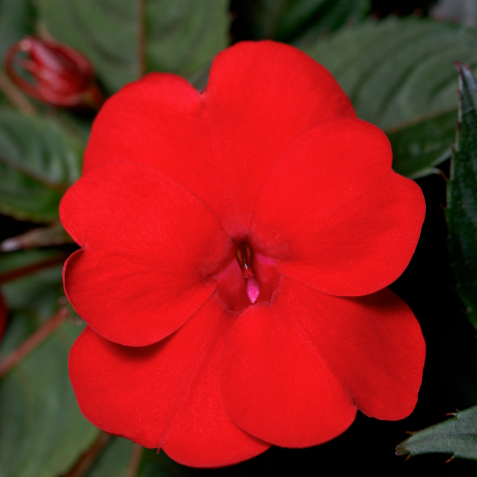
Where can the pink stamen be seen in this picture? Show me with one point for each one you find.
(252, 289)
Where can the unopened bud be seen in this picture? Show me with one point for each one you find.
(60, 75)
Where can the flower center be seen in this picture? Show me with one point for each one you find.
(244, 256)
(248, 278)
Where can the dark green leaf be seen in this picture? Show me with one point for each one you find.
(125, 39)
(16, 21)
(420, 146)
(116, 461)
(462, 196)
(456, 436)
(38, 161)
(23, 258)
(286, 20)
(42, 431)
(399, 75)
(155, 465)
(33, 298)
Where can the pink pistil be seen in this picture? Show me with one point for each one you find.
(252, 289)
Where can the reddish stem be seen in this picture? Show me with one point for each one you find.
(88, 458)
(136, 455)
(15, 96)
(33, 341)
(29, 269)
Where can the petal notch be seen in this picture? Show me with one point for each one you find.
(149, 250)
(335, 214)
(165, 395)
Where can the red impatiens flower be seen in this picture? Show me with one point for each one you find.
(236, 246)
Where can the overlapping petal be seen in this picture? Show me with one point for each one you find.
(373, 344)
(149, 250)
(221, 144)
(288, 368)
(335, 214)
(271, 154)
(276, 385)
(166, 395)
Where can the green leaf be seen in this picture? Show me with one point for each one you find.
(422, 144)
(286, 20)
(117, 458)
(155, 465)
(42, 431)
(24, 258)
(16, 21)
(38, 161)
(31, 299)
(398, 74)
(124, 38)
(456, 436)
(462, 195)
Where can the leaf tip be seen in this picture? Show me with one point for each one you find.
(403, 450)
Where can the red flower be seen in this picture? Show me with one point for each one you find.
(62, 76)
(266, 184)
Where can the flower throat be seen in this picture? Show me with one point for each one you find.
(244, 255)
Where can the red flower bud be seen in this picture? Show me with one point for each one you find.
(60, 75)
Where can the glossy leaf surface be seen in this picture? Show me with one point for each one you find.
(456, 436)
(40, 416)
(38, 161)
(285, 20)
(125, 39)
(399, 76)
(462, 197)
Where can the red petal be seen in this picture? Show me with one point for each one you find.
(373, 345)
(166, 395)
(335, 213)
(149, 248)
(275, 384)
(221, 144)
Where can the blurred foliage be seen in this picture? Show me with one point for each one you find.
(399, 75)
(383, 8)
(287, 20)
(116, 461)
(16, 21)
